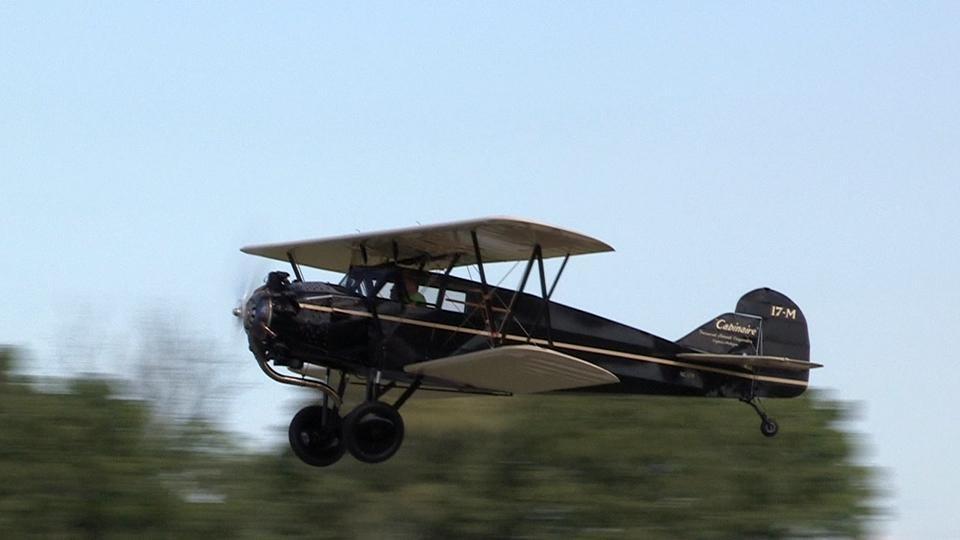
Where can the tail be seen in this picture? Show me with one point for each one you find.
(766, 322)
(768, 327)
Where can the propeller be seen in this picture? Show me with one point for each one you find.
(242, 294)
(246, 280)
(257, 309)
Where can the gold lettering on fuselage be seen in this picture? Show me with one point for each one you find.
(783, 313)
(722, 324)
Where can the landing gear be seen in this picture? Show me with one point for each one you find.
(768, 426)
(316, 436)
(373, 432)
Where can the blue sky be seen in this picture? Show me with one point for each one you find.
(812, 148)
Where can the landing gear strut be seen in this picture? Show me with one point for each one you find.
(768, 426)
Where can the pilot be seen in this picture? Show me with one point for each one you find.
(412, 288)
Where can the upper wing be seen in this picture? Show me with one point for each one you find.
(500, 239)
(519, 369)
(751, 362)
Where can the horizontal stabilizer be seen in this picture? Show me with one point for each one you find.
(751, 362)
(519, 369)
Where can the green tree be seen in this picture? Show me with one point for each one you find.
(586, 467)
(77, 461)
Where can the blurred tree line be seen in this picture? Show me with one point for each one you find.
(79, 458)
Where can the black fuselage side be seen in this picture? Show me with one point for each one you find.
(358, 325)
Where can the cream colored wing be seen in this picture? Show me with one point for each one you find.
(501, 239)
(519, 369)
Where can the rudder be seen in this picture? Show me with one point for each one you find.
(784, 330)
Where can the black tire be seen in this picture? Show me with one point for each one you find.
(769, 428)
(373, 432)
(315, 438)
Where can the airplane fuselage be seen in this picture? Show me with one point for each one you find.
(358, 326)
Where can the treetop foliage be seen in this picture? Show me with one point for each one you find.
(82, 462)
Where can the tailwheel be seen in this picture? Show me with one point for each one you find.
(373, 432)
(769, 427)
(316, 436)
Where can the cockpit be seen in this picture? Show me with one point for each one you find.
(408, 286)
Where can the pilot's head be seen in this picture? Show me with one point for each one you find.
(410, 283)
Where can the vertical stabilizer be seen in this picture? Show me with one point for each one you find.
(766, 322)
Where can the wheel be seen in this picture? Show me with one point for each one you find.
(373, 432)
(768, 427)
(316, 436)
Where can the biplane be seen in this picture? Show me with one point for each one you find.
(400, 323)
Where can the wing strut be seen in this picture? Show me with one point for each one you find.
(545, 306)
(296, 267)
(519, 291)
(443, 284)
(556, 279)
(546, 298)
(484, 288)
(535, 256)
